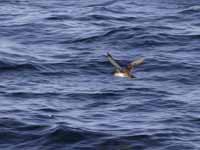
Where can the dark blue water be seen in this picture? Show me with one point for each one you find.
(56, 85)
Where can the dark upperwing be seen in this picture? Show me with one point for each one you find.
(114, 62)
(134, 64)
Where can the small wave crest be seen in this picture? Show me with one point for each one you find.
(190, 10)
(11, 66)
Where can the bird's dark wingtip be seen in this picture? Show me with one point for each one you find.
(108, 54)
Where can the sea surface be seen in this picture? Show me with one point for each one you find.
(57, 91)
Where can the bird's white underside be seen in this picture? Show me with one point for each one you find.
(119, 74)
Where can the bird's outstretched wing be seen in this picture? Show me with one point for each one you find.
(114, 62)
(137, 62)
(134, 64)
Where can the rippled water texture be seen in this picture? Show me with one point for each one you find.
(56, 85)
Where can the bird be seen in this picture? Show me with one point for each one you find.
(127, 71)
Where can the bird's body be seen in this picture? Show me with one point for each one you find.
(120, 74)
(124, 72)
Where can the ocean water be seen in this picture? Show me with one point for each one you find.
(57, 91)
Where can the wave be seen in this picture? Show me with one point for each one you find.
(191, 10)
(16, 134)
(110, 2)
(70, 68)
(28, 94)
(138, 36)
(117, 33)
(59, 17)
(99, 95)
(8, 66)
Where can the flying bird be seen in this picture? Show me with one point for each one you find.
(124, 72)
